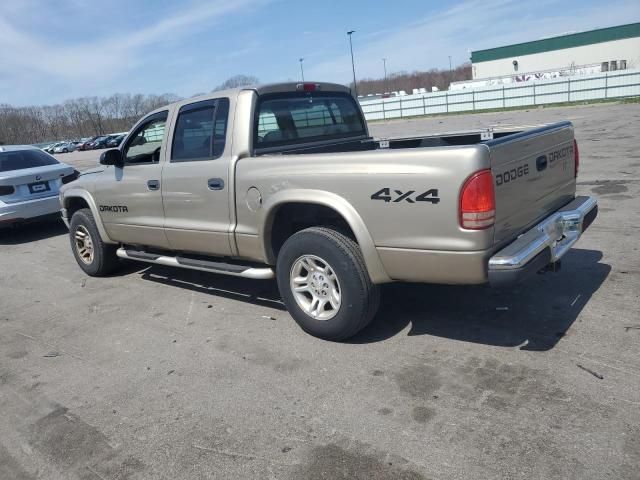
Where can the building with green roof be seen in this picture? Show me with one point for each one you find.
(612, 48)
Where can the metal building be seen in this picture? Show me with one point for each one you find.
(604, 49)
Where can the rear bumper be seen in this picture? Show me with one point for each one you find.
(545, 243)
(17, 212)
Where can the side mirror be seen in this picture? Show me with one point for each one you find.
(112, 157)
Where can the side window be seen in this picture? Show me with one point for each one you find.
(144, 145)
(201, 131)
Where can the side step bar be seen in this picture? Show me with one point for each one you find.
(265, 273)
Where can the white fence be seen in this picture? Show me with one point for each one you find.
(593, 87)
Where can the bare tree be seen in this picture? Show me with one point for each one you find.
(76, 118)
(237, 81)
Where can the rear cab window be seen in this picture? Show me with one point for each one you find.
(289, 119)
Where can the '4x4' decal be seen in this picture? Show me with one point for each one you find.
(385, 194)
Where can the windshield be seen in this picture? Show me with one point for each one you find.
(294, 118)
(19, 159)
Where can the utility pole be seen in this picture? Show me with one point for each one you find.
(302, 69)
(353, 65)
(450, 71)
(384, 64)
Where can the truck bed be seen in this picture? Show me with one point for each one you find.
(525, 190)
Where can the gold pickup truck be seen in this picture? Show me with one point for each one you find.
(284, 181)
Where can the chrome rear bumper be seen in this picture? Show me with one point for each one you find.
(545, 243)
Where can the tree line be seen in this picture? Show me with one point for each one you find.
(87, 116)
(407, 81)
(90, 116)
(76, 118)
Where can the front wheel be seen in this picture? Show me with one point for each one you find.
(94, 257)
(325, 285)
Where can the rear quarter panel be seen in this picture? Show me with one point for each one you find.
(355, 177)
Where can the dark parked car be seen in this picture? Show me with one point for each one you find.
(100, 142)
(85, 143)
(115, 141)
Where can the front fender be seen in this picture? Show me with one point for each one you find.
(340, 205)
(72, 193)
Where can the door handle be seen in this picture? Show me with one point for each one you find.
(153, 184)
(215, 184)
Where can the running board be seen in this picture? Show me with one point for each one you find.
(265, 273)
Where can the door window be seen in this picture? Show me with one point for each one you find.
(144, 145)
(201, 131)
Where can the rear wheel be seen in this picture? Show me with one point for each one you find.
(325, 285)
(94, 257)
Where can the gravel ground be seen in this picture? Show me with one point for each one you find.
(160, 373)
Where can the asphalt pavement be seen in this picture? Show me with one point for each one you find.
(159, 373)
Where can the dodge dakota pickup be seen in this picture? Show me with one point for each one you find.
(284, 181)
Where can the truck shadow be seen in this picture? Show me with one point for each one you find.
(534, 315)
(258, 292)
(32, 232)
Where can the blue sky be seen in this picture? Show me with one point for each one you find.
(54, 50)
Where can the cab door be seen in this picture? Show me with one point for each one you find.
(195, 179)
(130, 197)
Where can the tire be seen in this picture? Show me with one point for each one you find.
(102, 259)
(325, 251)
(65, 151)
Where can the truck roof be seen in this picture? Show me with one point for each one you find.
(260, 90)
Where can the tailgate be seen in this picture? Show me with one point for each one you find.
(534, 175)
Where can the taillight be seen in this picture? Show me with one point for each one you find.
(576, 157)
(478, 202)
(71, 177)
(7, 190)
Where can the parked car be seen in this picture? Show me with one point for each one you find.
(65, 147)
(85, 143)
(100, 142)
(49, 148)
(115, 141)
(286, 183)
(30, 180)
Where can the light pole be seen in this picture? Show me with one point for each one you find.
(353, 65)
(302, 69)
(384, 64)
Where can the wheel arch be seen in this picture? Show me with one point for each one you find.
(335, 203)
(75, 199)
